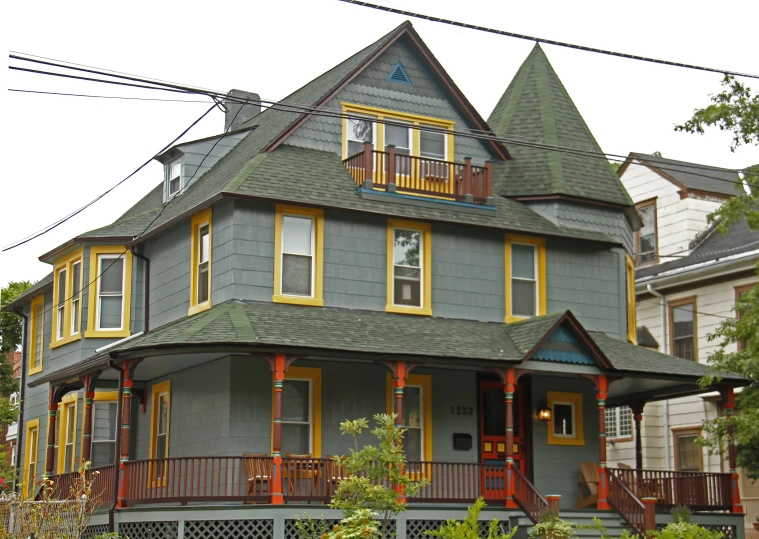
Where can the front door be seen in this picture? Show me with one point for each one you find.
(493, 437)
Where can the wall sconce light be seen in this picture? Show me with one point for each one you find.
(544, 412)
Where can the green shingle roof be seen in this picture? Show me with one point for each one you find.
(536, 108)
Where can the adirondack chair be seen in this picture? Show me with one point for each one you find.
(589, 478)
(258, 472)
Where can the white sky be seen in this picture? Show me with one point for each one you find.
(60, 152)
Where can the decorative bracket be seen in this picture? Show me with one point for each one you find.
(400, 370)
(90, 380)
(511, 376)
(140, 394)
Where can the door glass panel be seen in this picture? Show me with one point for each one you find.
(494, 412)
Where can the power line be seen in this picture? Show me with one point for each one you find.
(547, 41)
(107, 96)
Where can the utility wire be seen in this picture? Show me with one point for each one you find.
(107, 96)
(547, 41)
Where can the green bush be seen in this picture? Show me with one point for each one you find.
(551, 526)
(469, 528)
(686, 530)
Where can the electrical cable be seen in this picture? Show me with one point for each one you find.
(546, 41)
(107, 96)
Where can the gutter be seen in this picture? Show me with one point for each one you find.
(665, 340)
(117, 454)
(21, 395)
(694, 271)
(146, 309)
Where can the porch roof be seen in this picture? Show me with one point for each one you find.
(244, 326)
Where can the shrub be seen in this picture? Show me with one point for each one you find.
(469, 528)
(686, 530)
(551, 526)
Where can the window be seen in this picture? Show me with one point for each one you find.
(618, 422)
(36, 334)
(417, 414)
(160, 419)
(173, 178)
(409, 272)
(432, 145)
(110, 292)
(31, 441)
(302, 411)
(687, 452)
(741, 291)
(67, 428)
(682, 325)
(358, 131)
(525, 262)
(67, 295)
(200, 298)
(566, 425)
(646, 237)
(632, 330)
(104, 429)
(298, 260)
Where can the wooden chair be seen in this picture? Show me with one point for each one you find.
(298, 472)
(623, 466)
(258, 472)
(589, 478)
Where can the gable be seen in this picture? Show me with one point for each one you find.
(373, 87)
(562, 346)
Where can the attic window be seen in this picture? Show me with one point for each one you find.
(174, 179)
(398, 74)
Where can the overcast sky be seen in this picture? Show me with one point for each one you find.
(60, 152)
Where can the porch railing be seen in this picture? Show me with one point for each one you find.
(625, 501)
(102, 482)
(701, 491)
(751, 511)
(528, 498)
(422, 175)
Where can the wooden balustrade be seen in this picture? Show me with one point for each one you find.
(528, 498)
(421, 175)
(102, 483)
(625, 502)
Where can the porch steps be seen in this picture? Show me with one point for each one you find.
(611, 520)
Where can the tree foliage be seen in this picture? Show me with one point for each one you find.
(11, 334)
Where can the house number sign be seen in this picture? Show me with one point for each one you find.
(462, 410)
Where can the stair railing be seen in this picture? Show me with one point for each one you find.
(625, 502)
(528, 498)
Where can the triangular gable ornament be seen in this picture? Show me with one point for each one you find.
(398, 74)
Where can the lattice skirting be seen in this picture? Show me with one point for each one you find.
(415, 528)
(149, 530)
(94, 530)
(228, 529)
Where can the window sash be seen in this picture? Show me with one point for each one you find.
(61, 306)
(408, 272)
(515, 309)
(287, 289)
(433, 138)
(572, 424)
(76, 295)
(106, 262)
(175, 178)
(203, 260)
(70, 439)
(310, 414)
(647, 234)
(353, 144)
(688, 453)
(683, 318)
(39, 334)
(419, 428)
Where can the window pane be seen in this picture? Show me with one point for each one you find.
(104, 421)
(522, 298)
(296, 275)
(398, 136)
(110, 312)
(407, 292)
(296, 235)
(173, 186)
(103, 453)
(295, 400)
(683, 331)
(112, 278)
(160, 448)
(360, 130)
(163, 413)
(647, 233)
(61, 287)
(522, 261)
(406, 247)
(562, 419)
(38, 349)
(625, 421)
(412, 406)
(203, 245)
(432, 145)
(203, 282)
(295, 439)
(412, 444)
(688, 453)
(76, 274)
(494, 412)
(176, 170)
(610, 415)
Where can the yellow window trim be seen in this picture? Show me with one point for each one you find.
(155, 391)
(540, 243)
(66, 263)
(413, 119)
(314, 375)
(92, 293)
(198, 220)
(632, 330)
(70, 400)
(31, 425)
(38, 302)
(426, 230)
(425, 382)
(576, 400)
(317, 300)
(108, 396)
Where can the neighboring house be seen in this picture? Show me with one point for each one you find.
(687, 281)
(8, 434)
(354, 250)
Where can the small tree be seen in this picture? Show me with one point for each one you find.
(469, 528)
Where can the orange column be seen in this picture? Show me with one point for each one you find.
(51, 419)
(603, 474)
(508, 392)
(126, 419)
(729, 405)
(400, 372)
(89, 396)
(279, 367)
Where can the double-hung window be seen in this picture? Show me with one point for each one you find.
(357, 131)
(525, 277)
(36, 335)
(160, 420)
(632, 330)
(109, 292)
(647, 235)
(682, 316)
(173, 178)
(298, 262)
(409, 252)
(301, 412)
(67, 418)
(400, 137)
(103, 433)
(200, 295)
(67, 299)
(688, 454)
(417, 414)
(32, 442)
(432, 145)
(618, 422)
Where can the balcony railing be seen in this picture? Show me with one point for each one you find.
(396, 172)
(102, 483)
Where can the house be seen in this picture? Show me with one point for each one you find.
(369, 244)
(8, 433)
(687, 280)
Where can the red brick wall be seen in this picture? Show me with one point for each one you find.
(3, 429)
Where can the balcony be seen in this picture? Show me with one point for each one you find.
(399, 173)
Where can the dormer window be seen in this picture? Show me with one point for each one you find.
(174, 179)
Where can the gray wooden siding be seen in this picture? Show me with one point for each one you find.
(250, 416)
(556, 468)
(253, 251)
(201, 156)
(423, 97)
(169, 255)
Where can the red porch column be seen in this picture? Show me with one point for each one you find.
(729, 405)
(51, 420)
(400, 373)
(603, 474)
(126, 419)
(89, 396)
(649, 516)
(637, 410)
(279, 366)
(509, 387)
(554, 501)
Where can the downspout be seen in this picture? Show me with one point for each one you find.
(117, 453)
(21, 395)
(665, 346)
(146, 309)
